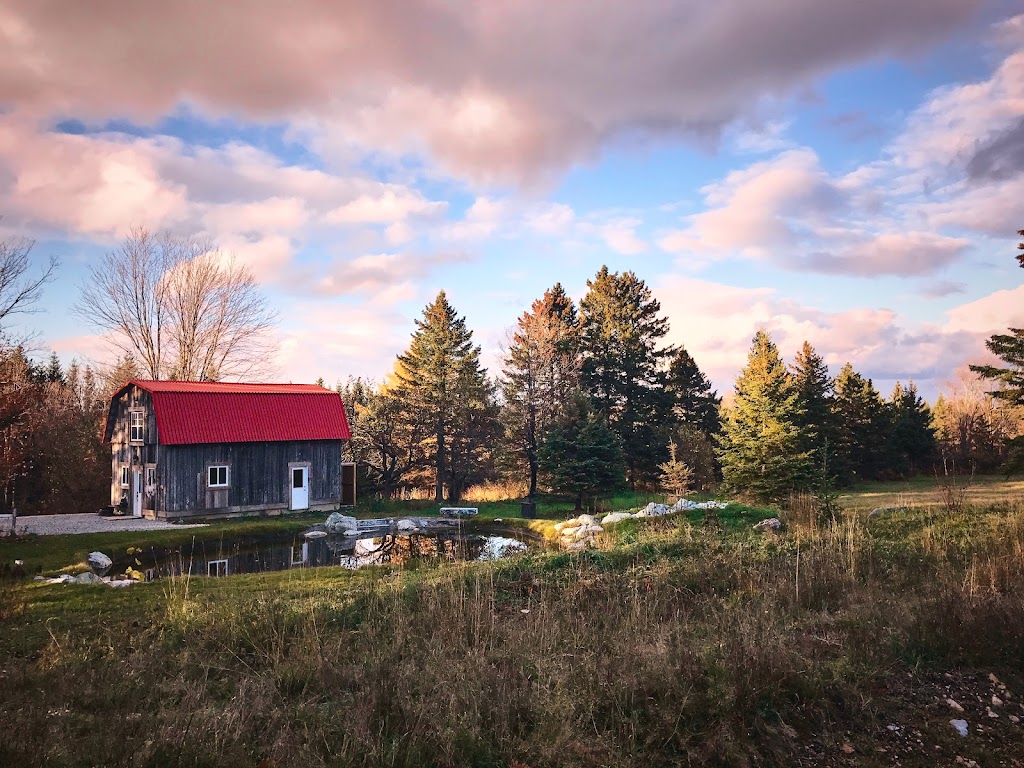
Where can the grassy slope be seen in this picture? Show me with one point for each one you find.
(677, 641)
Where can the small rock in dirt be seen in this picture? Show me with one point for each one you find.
(990, 713)
(954, 706)
(893, 727)
(993, 679)
(99, 563)
(1014, 719)
(960, 726)
(848, 748)
(996, 701)
(771, 524)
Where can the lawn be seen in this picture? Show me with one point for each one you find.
(678, 640)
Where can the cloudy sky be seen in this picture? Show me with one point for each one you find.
(847, 173)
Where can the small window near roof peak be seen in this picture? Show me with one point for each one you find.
(136, 426)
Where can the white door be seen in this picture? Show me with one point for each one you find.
(300, 488)
(137, 493)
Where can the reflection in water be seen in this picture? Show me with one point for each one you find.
(227, 558)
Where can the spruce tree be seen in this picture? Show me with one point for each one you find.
(541, 371)
(675, 475)
(439, 378)
(1008, 347)
(911, 438)
(581, 456)
(693, 401)
(622, 369)
(815, 390)
(863, 427)
(760, 449)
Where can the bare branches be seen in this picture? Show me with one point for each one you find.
(19, 291)
(184, 309)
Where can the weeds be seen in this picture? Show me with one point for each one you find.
(675, 643)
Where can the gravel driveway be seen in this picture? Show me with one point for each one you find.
(90, 522)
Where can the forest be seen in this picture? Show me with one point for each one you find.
(589, 398)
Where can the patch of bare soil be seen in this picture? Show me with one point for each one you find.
(916, 719)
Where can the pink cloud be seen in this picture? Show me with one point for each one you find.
(491, 91)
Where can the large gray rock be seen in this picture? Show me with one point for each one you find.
(99, 563)
(339, 523)
(88, 578)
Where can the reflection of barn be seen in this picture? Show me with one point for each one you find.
(185, 449)
(218, 559)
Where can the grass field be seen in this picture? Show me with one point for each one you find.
(679, 640)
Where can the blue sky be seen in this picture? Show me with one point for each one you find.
(852, 176)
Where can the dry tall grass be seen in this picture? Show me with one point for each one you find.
(686, 645)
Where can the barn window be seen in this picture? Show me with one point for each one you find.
(124, 476)
(217, 476)
(217, 568)
(150, 476)
(136, 426)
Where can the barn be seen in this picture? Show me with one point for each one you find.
(182, 449)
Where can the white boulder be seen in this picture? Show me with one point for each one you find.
(339, 523)
(406, 526)
(616, 517)
(99, 563)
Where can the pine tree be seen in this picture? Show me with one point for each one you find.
(760, 449)
(581, 456)
(541, 370)
(815, 390)
(622, 367)
(863, 427)
(693, 401)
(911, 438)
(439, 378)
(1008, 347)
(675, 475)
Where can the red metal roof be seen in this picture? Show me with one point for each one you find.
(190, 412)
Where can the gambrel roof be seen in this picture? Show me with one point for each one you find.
(190, 412)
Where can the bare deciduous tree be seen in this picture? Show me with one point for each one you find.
(182, 308)
(19, 290)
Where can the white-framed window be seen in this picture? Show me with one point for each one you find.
(217, 568)
(150, 476)
(217, 476)
(124, 476)
(136, 426)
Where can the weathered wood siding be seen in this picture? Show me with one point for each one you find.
(125, 453)
(259, 475)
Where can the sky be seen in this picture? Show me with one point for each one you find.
(850, 174)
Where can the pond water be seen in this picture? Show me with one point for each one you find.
(226, 558)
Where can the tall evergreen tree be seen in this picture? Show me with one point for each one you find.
(622, 368)
(1008, 347)
(760, 449)
(439, 379)
(863, 426)
(693, 400)
(911, 437)
(815, 390)
(541, 371)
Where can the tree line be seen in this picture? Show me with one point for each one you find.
(589, 397)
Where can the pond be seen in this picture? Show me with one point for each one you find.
(226, 558)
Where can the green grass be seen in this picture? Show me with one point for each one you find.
(686, 639)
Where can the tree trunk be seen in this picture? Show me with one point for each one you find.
(440, 465)
(579, 503)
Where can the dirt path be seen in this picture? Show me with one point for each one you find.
(90, 522)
